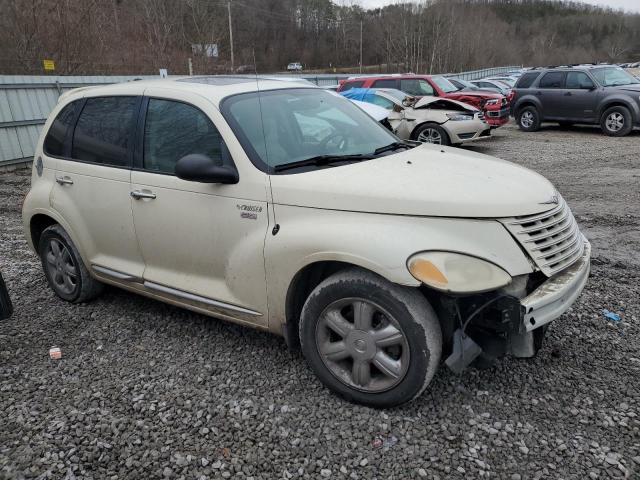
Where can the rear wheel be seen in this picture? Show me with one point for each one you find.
(64, 268)
(369, 340)
(616, 121)
(528, 119)
(432, 133)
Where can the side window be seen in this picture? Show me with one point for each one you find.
(527, 80)
(350, 85)
(416, 87)
(579, 80)
(387, 83)
(54, 141)
(105, 130)
(382, 102)
(552, 80)
(173, 130)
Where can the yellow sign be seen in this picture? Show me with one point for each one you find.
(49, 65)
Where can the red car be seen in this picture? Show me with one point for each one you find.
(494, 105)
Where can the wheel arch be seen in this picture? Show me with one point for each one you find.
(528, 102)
(37, 224)
(414, 132)
(619, 102)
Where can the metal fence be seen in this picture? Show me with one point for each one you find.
(26, 101)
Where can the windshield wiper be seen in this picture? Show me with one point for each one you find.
(391, 146)
(321, 160)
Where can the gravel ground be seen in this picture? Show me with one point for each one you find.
(145, 390)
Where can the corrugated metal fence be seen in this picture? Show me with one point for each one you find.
(26, 101)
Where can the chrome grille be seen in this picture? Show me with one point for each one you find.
(552, 238)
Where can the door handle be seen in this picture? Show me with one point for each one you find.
(568, 94)
(137, 194)
(64, 180)
(538, 93)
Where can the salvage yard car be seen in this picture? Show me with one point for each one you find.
(494, 106)
(598, 94)
(426, 119)
(287, 208)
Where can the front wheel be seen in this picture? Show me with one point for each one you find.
(616, 121)
(432, 133)
(369, 340)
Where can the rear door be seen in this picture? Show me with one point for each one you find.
(580, 97)
(551, 94)
(92, 185)
(201, 242)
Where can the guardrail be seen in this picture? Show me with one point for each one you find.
(26, 101)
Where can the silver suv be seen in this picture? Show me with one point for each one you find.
(588, 94)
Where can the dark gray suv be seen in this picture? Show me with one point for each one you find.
(591, 94)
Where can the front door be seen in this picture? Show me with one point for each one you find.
(202, 243)
(580, 97)
(92, 190)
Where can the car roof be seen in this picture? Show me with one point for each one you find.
(213, 87)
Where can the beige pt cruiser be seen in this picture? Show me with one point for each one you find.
(287, 208)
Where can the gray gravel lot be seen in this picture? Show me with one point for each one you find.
(145, 390)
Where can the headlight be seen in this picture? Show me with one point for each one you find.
(459, 116)
(455, 272)
(492, 102)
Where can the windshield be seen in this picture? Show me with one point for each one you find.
(611, 77)
(445, 85)
(284, 126)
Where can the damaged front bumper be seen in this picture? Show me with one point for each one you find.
(553, 297)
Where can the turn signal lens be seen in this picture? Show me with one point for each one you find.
(455, 272)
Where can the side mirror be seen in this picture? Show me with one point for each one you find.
(200, 168)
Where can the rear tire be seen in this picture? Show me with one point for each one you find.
(369, 340)
(432, 133)
(616, 121)
(528, 119)
(63, 266)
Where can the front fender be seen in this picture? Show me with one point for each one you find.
(376, 242)
(621, 98)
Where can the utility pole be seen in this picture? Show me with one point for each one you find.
(360, 45)
(230, 34)
(190, 65)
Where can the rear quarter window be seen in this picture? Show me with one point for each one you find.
(54, 142)
(527, 80)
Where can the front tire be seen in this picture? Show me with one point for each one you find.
(432, 133)
(616, 121)
(528, 119)
(369, 340)
(63, 266)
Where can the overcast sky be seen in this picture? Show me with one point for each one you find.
(630, 5)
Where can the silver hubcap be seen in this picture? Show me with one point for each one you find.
(430, 135)
(61, 268)
(526, 120)
(615, 121)
(362, 345)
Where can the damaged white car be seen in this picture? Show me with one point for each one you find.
(426, 119)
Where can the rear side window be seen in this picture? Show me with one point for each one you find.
(416, 87)
(173, 130)
(552, 80)
(578, 80)
(54, 141)
(387, 83)
(527, 80)
(105, 129)
(350, 85)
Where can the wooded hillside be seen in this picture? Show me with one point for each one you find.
(140, 36)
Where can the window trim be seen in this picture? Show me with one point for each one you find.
(138, 154)
(68, 141)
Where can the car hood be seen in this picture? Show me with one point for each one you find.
(484, 94)
(448, 102)
(634, 87)
(428, 180)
